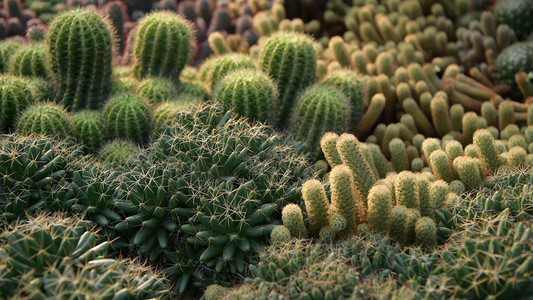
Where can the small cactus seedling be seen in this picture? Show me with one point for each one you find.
(162, 45)
(316, 205)
(80, 47)
(46, 118)
(292, 218)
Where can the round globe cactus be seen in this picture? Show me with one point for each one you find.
(46, 118)
(15, 96)
(90, 130)
(128, 117)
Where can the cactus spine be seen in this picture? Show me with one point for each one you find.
(80, 45)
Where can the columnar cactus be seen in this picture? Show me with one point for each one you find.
(319, 109)
(316, 205)
(15, 96)
(162, 45)
(249, 93)
(427, 206)
(398, 222)
(467, 171)
(426, 232)
(484, 142)
(128, 117)
(328, 144)
(290, 59)
(29, 60)
(343, 198)
(90, 130)
(438, 191)
(80, 45)
(441, 165)
(379, 208)
(46, 118)
(406, 190)
(398, 155)
(293, 219)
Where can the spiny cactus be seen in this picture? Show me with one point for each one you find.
(83, 80)
(398, 155)
(162, 45)
(316, 205)
(351, 85)
(15, 96)
(438, 191)
(30, 60)
(467, 171)
(486, 148)
(290, 59)
(157, 90)
(406, 190)
(214, 69)
(413, 215)
(249, 93)
(441, 165)
(89, 128)
(292, 218)
(398, 222)
(280, 234)
(319, 109)
(64, 258)
(117, 151)
(379, 208)
(426, 232)
(7, 48)
(128, 117)
(343, 197)
(165, 114)
(328, 144)
(46, 118)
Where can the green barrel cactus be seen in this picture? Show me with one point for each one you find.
(292, 218)
(162, 45)
(128, 117)
(515, 58)
(343, 199)
(117, 152)
(316, 205)
(7, 48)
(518, 14)
(80, 49)
(164, 115)
(15, 96)
(379, 208)
(290, 59)
(30, 61)
(46, 118)
(351, 84)
(250, 93)
(319, 109)
(157, 90)
(214, 69)
(90, 130)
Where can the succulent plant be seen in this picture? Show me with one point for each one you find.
(117, 152)
(89, 128)
(380, 204)
(15, 96)
(162, 45)
(517, 14)
(129, 117)
(351, 84)
(292, 218)
(214, 69)
(290, 59)
(426, 232)
(83, 81)
(7, 48)
(46, 118)
(319, 109)
(30, 60)
(249, 93)
(157, 90)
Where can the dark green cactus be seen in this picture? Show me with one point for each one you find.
(249, 93)
(7, 48)
(290, 59)
(157, 90)
(117, 14)
(30, 60)
(118, 152)
(83, 78)
(214, 69)
(319, 109)
(162, 45)
(15, 96)
(350, 83)
(90, 130)
(128, 117)
(46, 118)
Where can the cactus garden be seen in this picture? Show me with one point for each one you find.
(266, 149)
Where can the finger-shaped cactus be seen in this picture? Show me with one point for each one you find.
(467, 171)
(484, 142)
(290, 59)
(46, 118)
(413, 215)
(426, 232)
(441, 166)
(427, 206)
(379, 208)
(292, 218)
(162, 45)
(319, 109)
(343, 197)
(80, 48)
(516, 157)
(398, 155)
(376, 106)
(250, 93)
(280, 234)
(128, 117)
(398, 222)
(438, 191)
(328, 144)
(15, 96)
(440, 115)
(316, 205)
(406, 190)
(383, 166)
